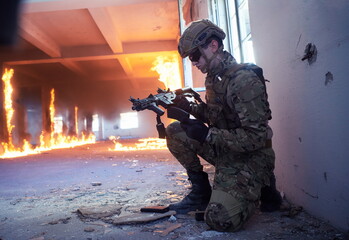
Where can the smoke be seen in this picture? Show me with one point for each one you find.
(105, 98)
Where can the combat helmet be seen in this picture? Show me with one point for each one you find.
(196, 35)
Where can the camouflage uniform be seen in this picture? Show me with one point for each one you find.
(237, 112)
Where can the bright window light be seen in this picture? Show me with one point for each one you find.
(95, 123)
(128, 120)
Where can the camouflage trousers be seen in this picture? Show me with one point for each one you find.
(238, 178)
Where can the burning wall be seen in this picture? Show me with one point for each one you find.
(32, 118)
(50, 138)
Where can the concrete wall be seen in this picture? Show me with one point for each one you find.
(310, 108)
(146, 127)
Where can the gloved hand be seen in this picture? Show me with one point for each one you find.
(195, 129)
(182, 103)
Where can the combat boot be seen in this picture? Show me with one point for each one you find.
(270, 197)
(199, 196)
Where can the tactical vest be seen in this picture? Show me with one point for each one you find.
(220, 115)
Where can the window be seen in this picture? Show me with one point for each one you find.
(128, 120)
(95, 123)
(233, 17)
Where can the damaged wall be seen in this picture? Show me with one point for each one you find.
(308, 99)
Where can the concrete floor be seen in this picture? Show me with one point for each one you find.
(41, 194)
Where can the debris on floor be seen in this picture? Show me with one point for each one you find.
(51, 197)
(137, 218)
(98, 212)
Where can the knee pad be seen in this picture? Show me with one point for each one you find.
(217, 217)
(225, 213)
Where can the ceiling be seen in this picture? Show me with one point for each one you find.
(86, 45)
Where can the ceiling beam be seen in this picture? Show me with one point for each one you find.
(31, 6)
(150, 46)
(73, 67)
(102, 18)
(31, 33)
(130, 49)
(126, 65)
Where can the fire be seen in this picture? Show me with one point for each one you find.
(76, 120)
(6, 78)
(57, 139)
(143, 144)
(54, 140)
(168, 69)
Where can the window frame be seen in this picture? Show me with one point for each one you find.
(231, 21)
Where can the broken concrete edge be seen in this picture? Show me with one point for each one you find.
(138, 218)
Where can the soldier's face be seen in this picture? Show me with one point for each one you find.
(200, 61)
(201, 64)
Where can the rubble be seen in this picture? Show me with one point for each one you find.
(137, 218)
(89, 229)
(98, 212)
(66, 206)
(96, 184)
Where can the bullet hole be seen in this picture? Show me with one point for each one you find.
(325, 176)
(328, 78)
(300, 139)
(310, 53)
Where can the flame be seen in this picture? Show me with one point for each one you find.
(168, 69)
(53, 140)
(6, 78)
(52, 115)
(76, 120)
(57, 139)
(143, 144)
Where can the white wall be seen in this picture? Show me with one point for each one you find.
(310, 116)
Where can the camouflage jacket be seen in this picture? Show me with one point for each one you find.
(236, 108)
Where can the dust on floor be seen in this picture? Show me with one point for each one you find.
(79, 193)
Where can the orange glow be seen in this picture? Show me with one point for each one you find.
(76, 120)
(143, 144)
(52, 115)
(58, 140)
(6, 78)
(47, 141)
(168, 69)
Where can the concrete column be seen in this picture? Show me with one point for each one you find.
(71, 122)
(45, 103)
(101, 128)
(88, 123)
(46, 122)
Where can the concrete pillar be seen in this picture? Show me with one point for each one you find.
(88, 126)
(45, 107)
(20, 118)
(45, 103)
(101, 128)
(71, 122)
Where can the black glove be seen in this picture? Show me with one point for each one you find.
(195, 129)
(182, 103)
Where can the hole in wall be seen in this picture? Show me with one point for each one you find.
(310, 53)
(328, 78)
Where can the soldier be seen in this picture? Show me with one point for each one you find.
(230, 131)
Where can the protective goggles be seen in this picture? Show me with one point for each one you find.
(195, 56)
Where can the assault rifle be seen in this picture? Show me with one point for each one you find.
(165, 98)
